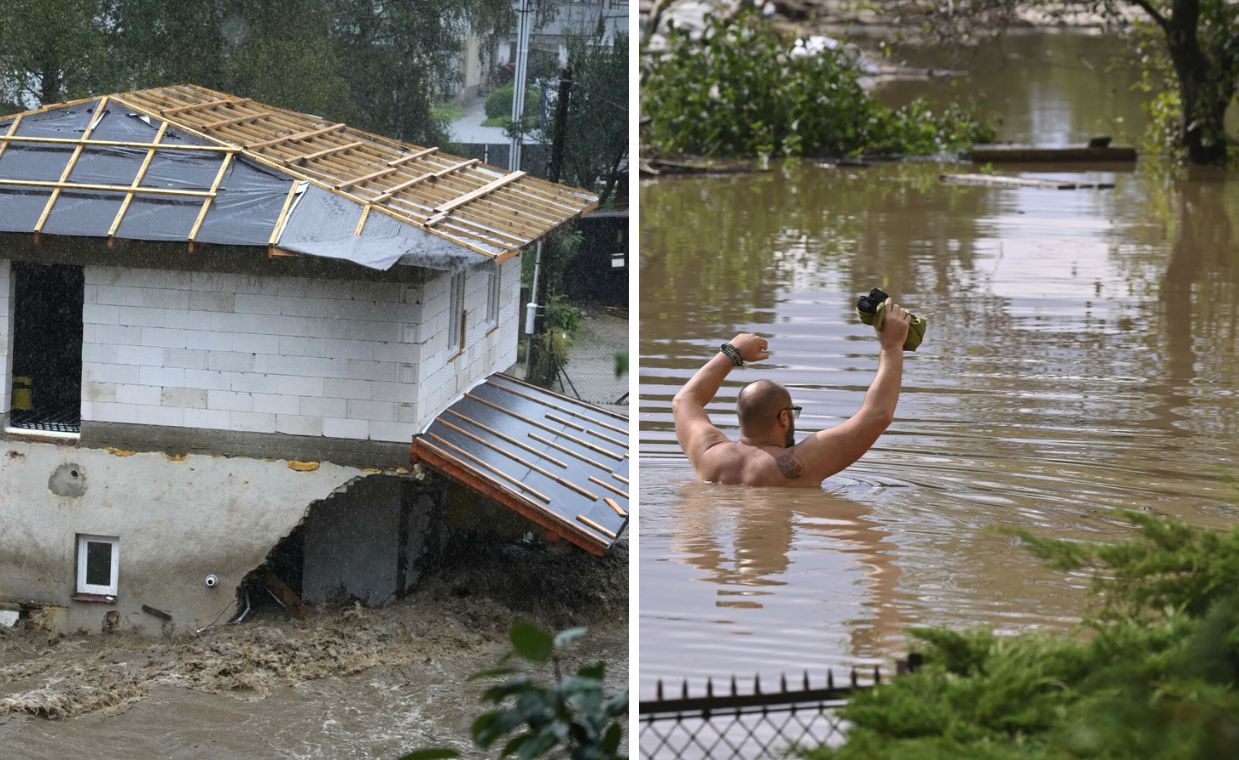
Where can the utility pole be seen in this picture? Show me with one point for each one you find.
(524, 17)
(524, 25)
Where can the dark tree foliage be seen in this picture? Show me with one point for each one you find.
(596, 143)
(380, 66)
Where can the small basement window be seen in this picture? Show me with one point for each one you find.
(98, 563)
(46, 391)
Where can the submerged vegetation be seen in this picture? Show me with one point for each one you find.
(742, 90)
(1155, 676)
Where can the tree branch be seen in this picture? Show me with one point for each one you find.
(1148, 8)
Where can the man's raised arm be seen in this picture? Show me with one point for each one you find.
(829, 451)
(692, 426)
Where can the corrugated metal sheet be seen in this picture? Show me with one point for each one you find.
(560, 462)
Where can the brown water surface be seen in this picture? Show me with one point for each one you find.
(1082, 355)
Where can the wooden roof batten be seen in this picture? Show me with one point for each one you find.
(358, 166)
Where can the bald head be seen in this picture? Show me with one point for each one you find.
(759, 404)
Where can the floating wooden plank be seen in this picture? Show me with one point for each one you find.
(996, 180)
(994, 154)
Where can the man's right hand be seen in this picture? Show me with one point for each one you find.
(752, 348)
(895, 327)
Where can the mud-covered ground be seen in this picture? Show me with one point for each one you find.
(401, 667)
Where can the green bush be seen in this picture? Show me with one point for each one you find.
(740, 90)
(499, 104)
(1155, 675)
(569, 717)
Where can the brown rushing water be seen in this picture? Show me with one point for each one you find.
(351, 683)
(1082, 355)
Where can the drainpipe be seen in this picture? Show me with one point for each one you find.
(531, 313)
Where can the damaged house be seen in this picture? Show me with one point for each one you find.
(227, 328)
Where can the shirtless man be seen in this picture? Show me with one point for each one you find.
(767, 453)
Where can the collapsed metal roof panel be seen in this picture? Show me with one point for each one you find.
(558, 461)
(193, 164)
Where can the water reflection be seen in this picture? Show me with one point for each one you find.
(785, 570)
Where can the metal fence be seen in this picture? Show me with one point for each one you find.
(756, 724)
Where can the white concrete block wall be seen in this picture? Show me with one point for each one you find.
(445, 370)
(6, 329)
(251, 353)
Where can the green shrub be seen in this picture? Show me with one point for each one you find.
(499, 104)
(1156, 676)
(569, 717)
(741, 91)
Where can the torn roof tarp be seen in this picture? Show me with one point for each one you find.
(560, 462)
(189, 164)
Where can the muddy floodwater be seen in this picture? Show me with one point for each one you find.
(1082, 355)
(345, 683)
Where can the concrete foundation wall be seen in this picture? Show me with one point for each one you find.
(177, 522)
(6, 332)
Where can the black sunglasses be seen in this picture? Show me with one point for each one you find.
(794, 409)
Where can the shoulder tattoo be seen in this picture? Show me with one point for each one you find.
(790, 465)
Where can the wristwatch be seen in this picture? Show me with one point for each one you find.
(733, 353)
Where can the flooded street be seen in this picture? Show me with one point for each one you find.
(356, 683)
(1082, 355)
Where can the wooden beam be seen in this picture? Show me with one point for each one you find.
(105, 188)
(615, 506)
(137, 182)
(596, 526)
(206, 204)
(325, 152)
(208, 104)
(95, 118)
(115, 144)
(392, 168)
(279, 220)
(297, 137)
(430, 176)
(4, 141)
(446, 207)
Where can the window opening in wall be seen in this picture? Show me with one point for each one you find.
(456, 312)
(98, 562)
(492, 296)
(47, 348)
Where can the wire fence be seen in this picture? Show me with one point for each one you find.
(748, 726)
(590, 371)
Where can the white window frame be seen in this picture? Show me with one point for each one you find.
(456, 311)
(114, 572)
(492, 296)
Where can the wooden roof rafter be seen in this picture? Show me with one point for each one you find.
(484, 209)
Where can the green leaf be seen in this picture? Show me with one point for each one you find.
(531, 642)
